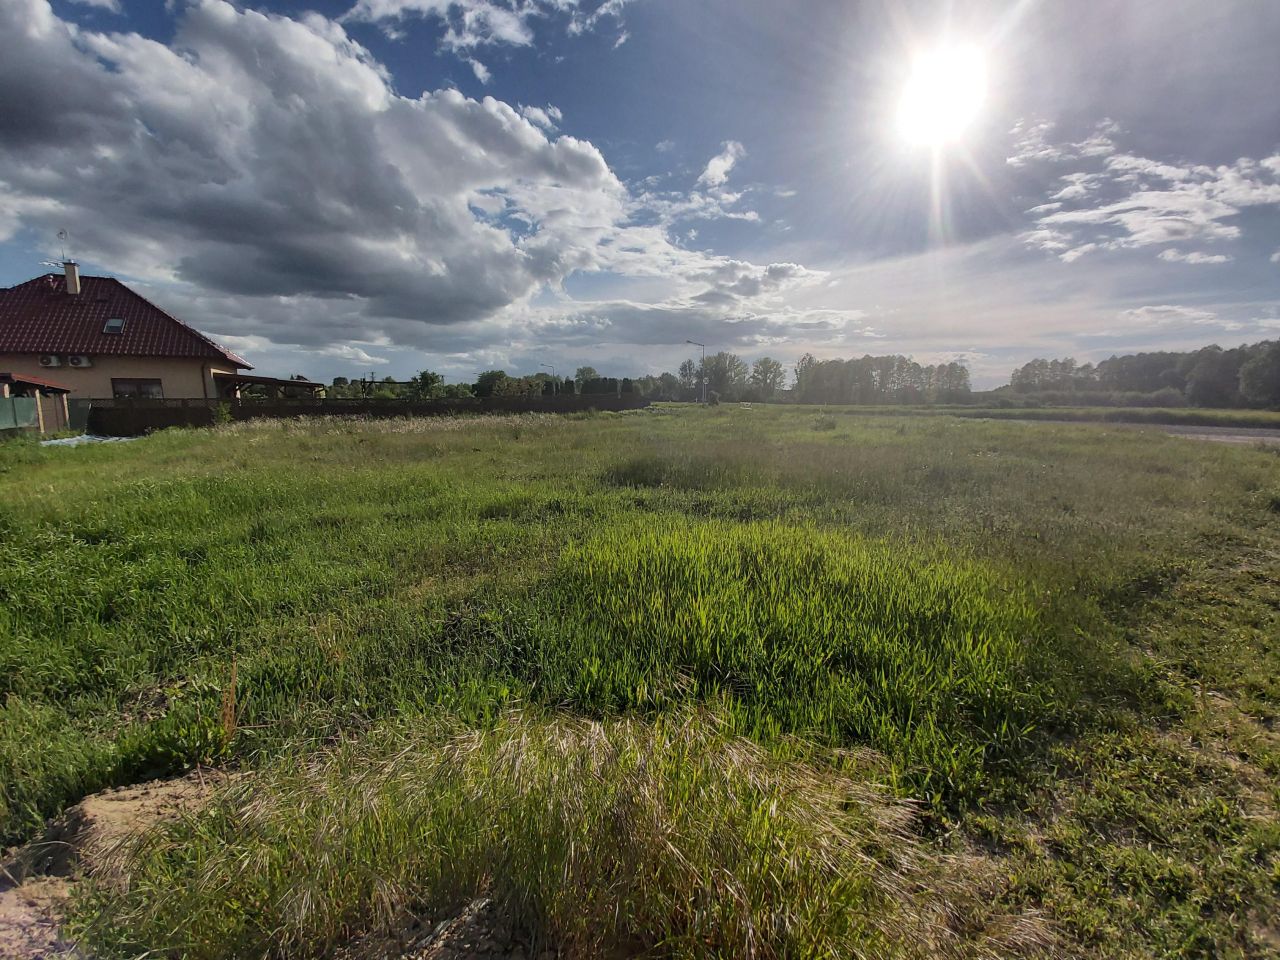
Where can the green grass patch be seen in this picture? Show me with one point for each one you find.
(918, 653)
(1023, 629)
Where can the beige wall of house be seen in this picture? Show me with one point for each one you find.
(180, 378)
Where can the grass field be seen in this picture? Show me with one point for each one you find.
(704, 683)
(1165, 416)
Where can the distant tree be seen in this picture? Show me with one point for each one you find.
(804, 367)
(1214, 378)
(456, 391)
(488, 383)
(767, 377)
(726, 375)
(688, 377)
(584, 374)
(425, 385)
(518, 387)
(342, 388)
(1260, 376)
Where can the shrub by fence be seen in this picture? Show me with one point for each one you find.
(133, 417)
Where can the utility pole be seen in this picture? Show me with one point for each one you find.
(702, 370)
(555, 387)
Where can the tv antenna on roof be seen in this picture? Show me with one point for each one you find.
(63, 236)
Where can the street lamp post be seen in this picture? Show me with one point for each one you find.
(555, 387)
(702, 370)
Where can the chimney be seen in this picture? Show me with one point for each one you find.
(73, 276)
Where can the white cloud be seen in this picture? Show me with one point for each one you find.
(544, 117)
(1195, 256)
(1129, 168)
(1122, 200)
(473, 23)
(719, 166)
(260, 177)
(1275, 257)
(348, 351)
(480, 70)
(1031, 143)
(663, 146)
(1169, 316)
(112, 5)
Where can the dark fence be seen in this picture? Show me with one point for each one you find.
(134, 417)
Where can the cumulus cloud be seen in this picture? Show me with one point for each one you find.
(260, 177)
(544, 117)
(480, 70)
(719, 166)
(1123, 200)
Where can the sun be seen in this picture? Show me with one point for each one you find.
(943, 95)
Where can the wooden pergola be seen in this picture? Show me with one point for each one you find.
(37, 388)
(230, 384)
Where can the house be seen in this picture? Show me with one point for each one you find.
(101, 340)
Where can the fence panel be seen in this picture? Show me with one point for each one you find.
(18, 413)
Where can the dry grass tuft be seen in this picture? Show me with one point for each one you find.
(668, 839)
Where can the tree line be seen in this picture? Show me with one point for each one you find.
(429, 385)
(720, 377)
(1244, 376)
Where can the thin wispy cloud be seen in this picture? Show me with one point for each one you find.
(1123, 200)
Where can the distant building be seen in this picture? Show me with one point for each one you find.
(101, 340)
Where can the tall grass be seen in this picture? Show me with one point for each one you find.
(913, 650)
(925, 592)
(622, 838)
(360, 569)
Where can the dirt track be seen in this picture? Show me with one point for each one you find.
(1246, 435)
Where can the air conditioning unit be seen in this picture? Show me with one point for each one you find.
(49, 360)
(79, 360)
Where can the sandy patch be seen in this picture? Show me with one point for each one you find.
(37, 879)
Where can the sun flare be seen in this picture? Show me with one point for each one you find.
(943, 95)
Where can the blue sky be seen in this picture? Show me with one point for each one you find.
(333, 188)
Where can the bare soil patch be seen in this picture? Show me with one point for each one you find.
(37, 879)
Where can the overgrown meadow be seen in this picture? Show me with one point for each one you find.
(770, 682)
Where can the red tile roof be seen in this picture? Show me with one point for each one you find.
(39, 316)
(25, 380)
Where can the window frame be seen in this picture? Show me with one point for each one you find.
(137, 384)
(106, 327)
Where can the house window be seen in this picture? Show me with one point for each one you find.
(149, 389)
(114, 325)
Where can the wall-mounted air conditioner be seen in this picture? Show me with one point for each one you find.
(79, 360)
(50, 360)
